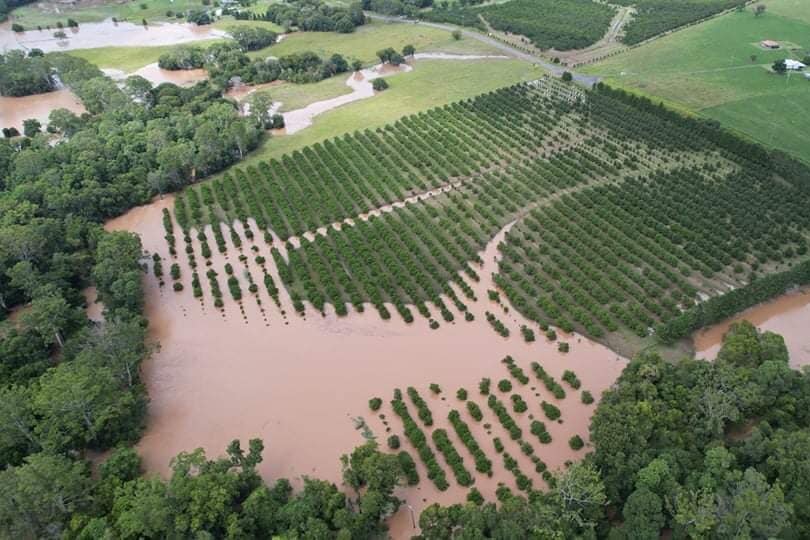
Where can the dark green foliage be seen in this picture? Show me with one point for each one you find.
(408, 467)
(314, 16)
(251, 38)
(417, 437)
(548, 381)
(475, 497)
(435, 388)
(587, 397)
(484, 385)
(551, 411)
(452, 457)
(505, 418)
(22, 75)
(518, 404)
(393, 442)
(497, 325)
(504, 385)
(527, 333)
(475, 411)
(688, 432)
(515, 370)
(461, 394)
(421, 406)
(539, 430)
(571, 378)
(379, 84)
(576, 442)
(573, 24)
(375, 403)
(482, 463)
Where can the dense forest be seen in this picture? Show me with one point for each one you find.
(23, 75)
(68, 385)
(227, 61)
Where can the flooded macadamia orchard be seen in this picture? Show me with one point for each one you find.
(430, 284)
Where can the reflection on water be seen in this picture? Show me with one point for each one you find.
(788, 315)
(106, 34)
(298, 382)
(14, 110)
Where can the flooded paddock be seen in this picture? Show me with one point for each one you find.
(106, 34)
(156, 75)
(15, 110)
(301, 383)
(788, 315)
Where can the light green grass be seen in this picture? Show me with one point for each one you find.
(432, 83)
(296, 96)
(225, 23)
(366, 40)
(44, 13)
(708, 69)
(127, 59)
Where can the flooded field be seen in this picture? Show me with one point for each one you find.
(788, 315)
(301, 383)
(14, 110)
(106, 34)
(155, 75)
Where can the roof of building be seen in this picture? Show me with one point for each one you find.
(769, 43)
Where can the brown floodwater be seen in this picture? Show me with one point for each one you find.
(106, 34)
(299, 383)
(155, 75)
(15, 110)
(788, 315)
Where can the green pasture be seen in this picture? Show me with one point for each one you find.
(719, 70)
(366, 40)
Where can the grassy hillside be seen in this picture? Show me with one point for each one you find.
(719, 70)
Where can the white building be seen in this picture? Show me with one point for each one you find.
(794, 65)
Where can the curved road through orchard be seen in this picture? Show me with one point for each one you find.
(554, 69)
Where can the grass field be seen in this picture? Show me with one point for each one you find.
(709, 69)
(295, 96)
(364, 42)
(128, 59)
(430, 84)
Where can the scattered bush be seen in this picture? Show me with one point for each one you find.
(571, 378)
(393, 442)
(504, 385)
(375, 403)
(552, 411)
(461, 394)
(587, 397)
(576, 442)
(475, 411)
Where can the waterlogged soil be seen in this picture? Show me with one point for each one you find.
(302, 383)
(15, 110)
(788, 315)
(155, 75)
(106, 34)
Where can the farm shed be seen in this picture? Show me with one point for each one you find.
(794, 65)
(768, 44)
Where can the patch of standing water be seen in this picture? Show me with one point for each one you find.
(107, 34)
(155, 75)
(251, 370)
(15, 110)
(788, 315)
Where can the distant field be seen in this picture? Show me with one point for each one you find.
(364, 42)
(295, 96)
(719, 70)
(127, 58)
(432, 83)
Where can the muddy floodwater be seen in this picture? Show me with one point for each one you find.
(788, 315)
(14, 110)
(156, 75)
(301, 383)
(106, 34)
